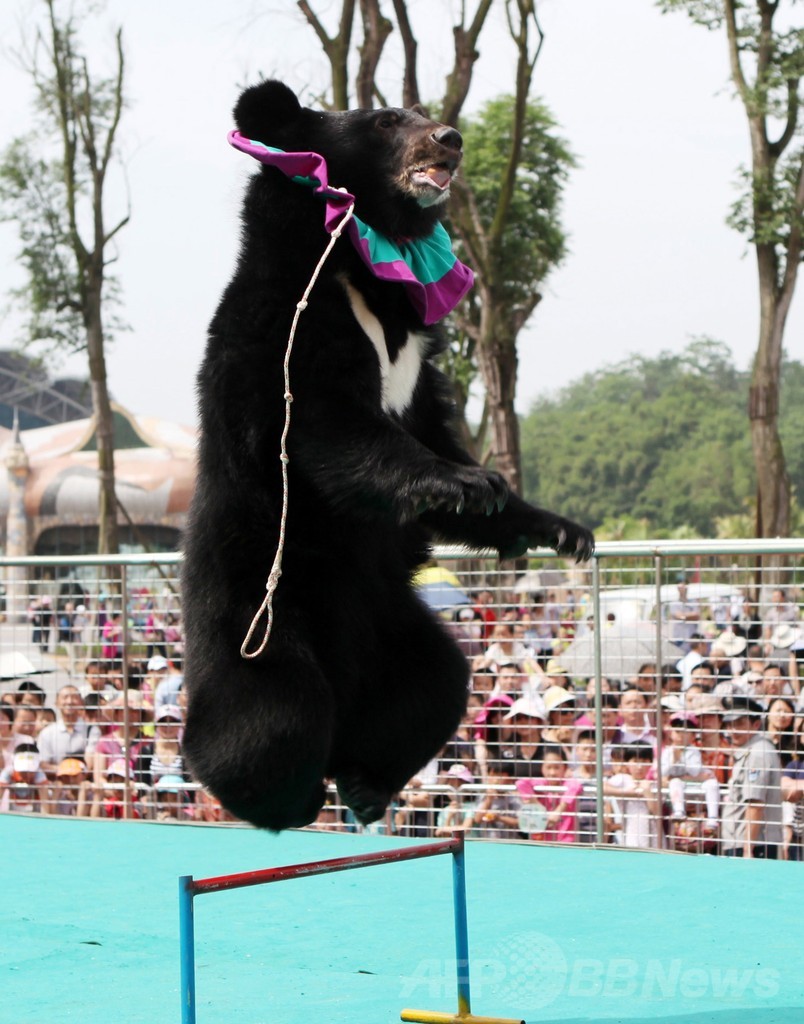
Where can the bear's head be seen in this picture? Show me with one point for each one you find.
(397, 163)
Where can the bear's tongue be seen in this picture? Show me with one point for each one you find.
(439, 176)
(436, 175)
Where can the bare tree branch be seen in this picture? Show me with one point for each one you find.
(410, 84)
(376, 30)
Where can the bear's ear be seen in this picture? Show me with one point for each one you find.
(265, 108)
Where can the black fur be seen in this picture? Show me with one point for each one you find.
(359, 682)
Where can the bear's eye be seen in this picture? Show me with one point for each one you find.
(388, 121)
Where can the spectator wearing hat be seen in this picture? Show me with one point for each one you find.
(526, 719)
(681, 763)
(161, 756)
(560, 705)
(108, 799)
(171, 802)
(24, 781)
(752, 812)
(725, 657)
(453, 814)
(787, 642)
(72, 793)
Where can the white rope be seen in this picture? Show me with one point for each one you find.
(266, 608)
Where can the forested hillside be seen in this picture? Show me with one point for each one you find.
(662, 440)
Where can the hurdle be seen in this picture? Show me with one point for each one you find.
(189, 888)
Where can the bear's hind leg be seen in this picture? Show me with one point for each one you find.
(258, 736)
(410, 705)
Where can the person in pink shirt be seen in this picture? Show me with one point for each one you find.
(558, 793)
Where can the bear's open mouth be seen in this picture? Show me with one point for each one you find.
(436, 176)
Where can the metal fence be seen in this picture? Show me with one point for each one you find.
(601, 709)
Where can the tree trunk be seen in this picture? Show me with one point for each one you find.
(498, 362)
(773, 481)
(108, 541)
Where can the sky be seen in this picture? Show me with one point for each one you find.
(644, 101)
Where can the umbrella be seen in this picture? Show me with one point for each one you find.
(442, 596)
(623, 648)
(435, 574)
(439, 588)
(14, 665)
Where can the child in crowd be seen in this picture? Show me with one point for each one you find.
(453, 814)
(635, 795)
(72, 793)
(108, 799)
(558, 795)
(682, 763)
(169, 793)
(24, 781)
(496, 815)
(585, 772)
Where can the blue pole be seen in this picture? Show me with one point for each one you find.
(461, 927)
(187, 938)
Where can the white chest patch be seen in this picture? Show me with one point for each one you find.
(398, 378)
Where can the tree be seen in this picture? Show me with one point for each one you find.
(493, 208)
(58, 205)
(656, 444)
(767, 63)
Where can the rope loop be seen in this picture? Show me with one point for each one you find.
(267, 608)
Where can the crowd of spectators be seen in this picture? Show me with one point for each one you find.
(704, 753)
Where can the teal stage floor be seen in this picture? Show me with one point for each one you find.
(89, 931)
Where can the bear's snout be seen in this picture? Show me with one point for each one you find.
(451, 138)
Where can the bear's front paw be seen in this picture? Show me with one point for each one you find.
(562, 535)
(461, 489)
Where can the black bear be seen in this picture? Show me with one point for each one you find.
(359, 682)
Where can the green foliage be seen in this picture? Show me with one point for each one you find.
(656, 445)
(533, 241)
(32, 194)
(57, 201)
